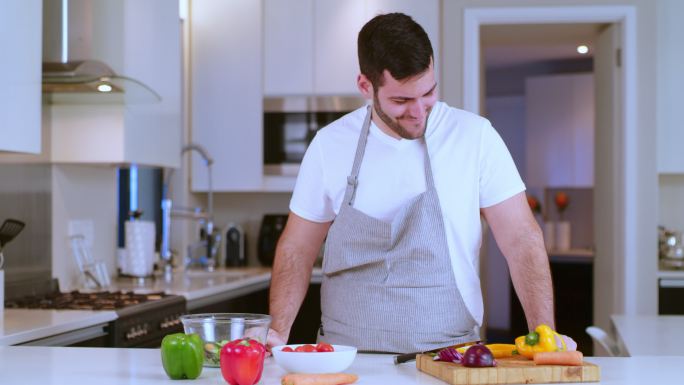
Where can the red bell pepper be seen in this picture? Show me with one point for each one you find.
(242, 361)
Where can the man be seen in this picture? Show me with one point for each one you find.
(398, 189)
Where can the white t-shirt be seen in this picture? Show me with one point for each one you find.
(471, 165)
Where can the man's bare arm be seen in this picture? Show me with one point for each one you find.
(296, 253)
(521, 241)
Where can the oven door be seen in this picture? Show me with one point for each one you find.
(670, 294)
(93, 336)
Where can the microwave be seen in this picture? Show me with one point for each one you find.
(290, 123)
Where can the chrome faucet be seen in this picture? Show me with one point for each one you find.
(206, 217)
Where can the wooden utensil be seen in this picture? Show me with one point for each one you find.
(9, 229)
(510, 370)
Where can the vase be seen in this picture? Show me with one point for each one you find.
(563, 233)
(549, 231)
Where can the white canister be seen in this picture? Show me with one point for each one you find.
(563, 233)
(140, 256)
(549, 231)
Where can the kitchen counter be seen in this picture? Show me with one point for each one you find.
(23, 325)
(650, 335)
(33, 365)
(205, 287)
(19, 326)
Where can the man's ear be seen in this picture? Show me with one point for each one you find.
(365, 86)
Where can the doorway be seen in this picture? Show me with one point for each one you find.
(539, 95)
(615, 261)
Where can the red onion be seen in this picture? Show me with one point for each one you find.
(449, 355)
(478, 356)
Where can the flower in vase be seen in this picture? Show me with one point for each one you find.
(562, 201)
(535, 206)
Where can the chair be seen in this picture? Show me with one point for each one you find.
(607, 342)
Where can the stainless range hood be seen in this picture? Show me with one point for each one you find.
(70, 75)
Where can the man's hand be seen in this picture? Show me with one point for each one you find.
(274, 339)
(570, 344)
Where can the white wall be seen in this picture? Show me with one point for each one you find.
(83, 193)
(560, 130)
(671, 212)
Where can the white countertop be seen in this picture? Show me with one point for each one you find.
(650, 335)
(198, 287)
(23, 325)
(197, 284)
(29, 365)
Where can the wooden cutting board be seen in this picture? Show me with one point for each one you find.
(513, 370)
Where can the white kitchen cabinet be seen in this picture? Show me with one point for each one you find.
(336, 28)
(147, 34)
(288, 47)
(136, 38)
(310, 45)
(227, 114)
(670, 83)
(560, 131)
(20, 76)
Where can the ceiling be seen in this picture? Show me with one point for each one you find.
(520, 44)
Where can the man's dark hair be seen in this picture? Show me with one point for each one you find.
(396, 43)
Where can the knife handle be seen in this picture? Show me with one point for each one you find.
(402, 358)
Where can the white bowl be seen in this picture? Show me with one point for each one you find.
(314, 362)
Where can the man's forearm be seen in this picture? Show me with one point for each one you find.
(289, 284)
(531, 277)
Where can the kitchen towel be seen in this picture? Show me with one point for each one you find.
(140, 256)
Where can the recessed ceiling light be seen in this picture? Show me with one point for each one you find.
(104, 87)
(582, 49)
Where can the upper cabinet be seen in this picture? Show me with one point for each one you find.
(559, 130)
(670, 82)
(288, 47)
(310, 45)
(141, 40)
(20, 99)
(226, 101)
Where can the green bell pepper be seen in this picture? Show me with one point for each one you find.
(182, 356)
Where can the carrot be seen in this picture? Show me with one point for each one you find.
(318, 379)
(572, 358)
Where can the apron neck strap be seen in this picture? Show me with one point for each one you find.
(353, 178)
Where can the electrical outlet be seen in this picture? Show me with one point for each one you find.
(83, 227)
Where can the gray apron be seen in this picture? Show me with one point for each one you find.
(390, 287)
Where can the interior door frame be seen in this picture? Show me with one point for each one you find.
(625, 237)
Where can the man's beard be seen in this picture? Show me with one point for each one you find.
(394, 125)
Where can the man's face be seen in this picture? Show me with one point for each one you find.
(404, 106)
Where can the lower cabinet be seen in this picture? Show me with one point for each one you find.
(305, 327)
(256, 302)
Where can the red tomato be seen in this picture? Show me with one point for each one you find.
(324, 347)
(305, 348)
(286, 349)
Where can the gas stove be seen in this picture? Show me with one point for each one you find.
(142, 319)
(76, 300)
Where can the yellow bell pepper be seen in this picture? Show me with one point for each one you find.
(542, 339)
(498, 350)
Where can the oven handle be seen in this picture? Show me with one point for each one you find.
(70, 338)
(671, 283)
